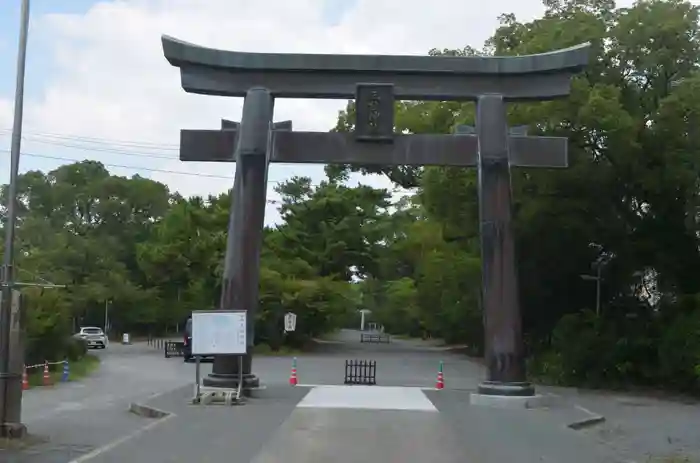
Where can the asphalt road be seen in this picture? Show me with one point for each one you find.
(72, 419)
(280, 427)
(87, 421)
(401, 363)
(643, 428)
(389, 422)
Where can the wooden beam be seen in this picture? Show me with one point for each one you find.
(341, 148)
(216, 145)
(287, 75)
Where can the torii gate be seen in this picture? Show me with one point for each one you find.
(376, 82)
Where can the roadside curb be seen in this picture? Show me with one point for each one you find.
(147, 412)
(591, 419)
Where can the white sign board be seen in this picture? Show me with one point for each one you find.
(290, 321)
(218, 332)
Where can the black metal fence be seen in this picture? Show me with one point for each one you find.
(158, 343)
(361, 372)
(375, 338)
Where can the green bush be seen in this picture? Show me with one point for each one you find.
(583, 346)
(53, 349)
(75, 349)
(40, 349)
(679, 353)
(587, 350)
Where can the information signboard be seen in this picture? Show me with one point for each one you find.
(218, 332)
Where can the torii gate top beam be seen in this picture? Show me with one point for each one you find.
(230, 73)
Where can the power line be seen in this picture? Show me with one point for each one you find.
(63, 140)
(97, 140)
(151, 169)
(105, 150)
(107, 147)
(148, 169)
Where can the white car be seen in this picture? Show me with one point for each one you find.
(93, 337)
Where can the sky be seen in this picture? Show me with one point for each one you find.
(98, 86)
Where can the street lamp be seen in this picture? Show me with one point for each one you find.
(598, 265)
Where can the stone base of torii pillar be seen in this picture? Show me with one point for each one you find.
(510, 401)
(508, 395)
(230, 381)
(225, 374)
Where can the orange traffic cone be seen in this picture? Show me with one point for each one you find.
(440, 383)
(293, 377)
(25, 379)
(47, 375)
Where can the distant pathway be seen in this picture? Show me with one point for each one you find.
(399, 363)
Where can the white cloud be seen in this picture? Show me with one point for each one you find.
(108, 78)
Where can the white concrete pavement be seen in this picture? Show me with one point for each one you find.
(363, 423)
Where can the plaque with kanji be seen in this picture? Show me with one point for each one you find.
(374, 112)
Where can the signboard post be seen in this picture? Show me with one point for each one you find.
(219, 332)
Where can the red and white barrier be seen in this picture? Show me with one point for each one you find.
(46, 379)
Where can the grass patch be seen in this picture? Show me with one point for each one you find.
(328, 336)
(21, 444)
(671, 459)
(408, 337)
(78, 369)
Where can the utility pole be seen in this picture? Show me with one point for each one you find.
(177, 323)
(598, 279)
(11, 404)
(107, 302)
